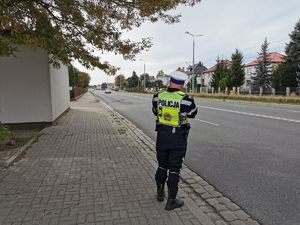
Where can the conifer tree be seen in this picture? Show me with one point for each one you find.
(292, 51)
(221, 73)
(287, 74)
(263, 73)
(237, 71)
(216, 77)
(284, 76)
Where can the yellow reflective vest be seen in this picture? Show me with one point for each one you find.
(168, 108)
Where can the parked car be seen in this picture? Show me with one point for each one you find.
(107, 91)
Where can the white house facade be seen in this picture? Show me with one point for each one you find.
(31, 89)
(250, 68)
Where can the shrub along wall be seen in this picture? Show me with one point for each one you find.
(5, 136)
(77, 91)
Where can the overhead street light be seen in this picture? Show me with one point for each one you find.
(193, 72)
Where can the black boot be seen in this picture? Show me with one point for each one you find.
(173, 202)
(160, 192)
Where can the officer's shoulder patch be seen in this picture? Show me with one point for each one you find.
(181, 93)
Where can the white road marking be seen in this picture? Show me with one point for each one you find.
(252, 114)
(295, 111)
(238, 105)
(140, 96)
(258, 105)
(203, 121)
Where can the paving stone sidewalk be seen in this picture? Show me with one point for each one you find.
(94, 167)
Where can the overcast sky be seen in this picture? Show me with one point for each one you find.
(226, 25)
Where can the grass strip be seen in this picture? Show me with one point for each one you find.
(252, 98)
(249, 98)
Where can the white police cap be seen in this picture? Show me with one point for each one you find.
(178, 77)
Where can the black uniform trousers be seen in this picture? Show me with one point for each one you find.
(171, 145)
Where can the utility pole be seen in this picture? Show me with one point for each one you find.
(193, 71)
(145, 80)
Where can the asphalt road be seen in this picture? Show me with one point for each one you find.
(249, 151)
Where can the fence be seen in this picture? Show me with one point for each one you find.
(76, 92)
(289, 91)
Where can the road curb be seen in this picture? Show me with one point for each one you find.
(79, 96)
(207, 198)
(19, 152)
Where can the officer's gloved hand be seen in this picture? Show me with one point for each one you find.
(182, 117)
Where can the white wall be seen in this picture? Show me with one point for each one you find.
(250, 71)
(207, 78)
(24, 87)
(31, 90)
(60, 97)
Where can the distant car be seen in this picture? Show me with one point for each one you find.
(116, 89)
(107, 91)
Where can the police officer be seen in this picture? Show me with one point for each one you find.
(172, 108)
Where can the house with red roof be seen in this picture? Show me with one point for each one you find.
(275, 58)
(207, 74)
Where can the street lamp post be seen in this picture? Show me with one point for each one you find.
(144, 74)
(193, 71)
